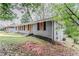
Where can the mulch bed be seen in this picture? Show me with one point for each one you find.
(31, 48)
(47, 49)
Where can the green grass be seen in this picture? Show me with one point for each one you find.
(9, 43)
(14, 38)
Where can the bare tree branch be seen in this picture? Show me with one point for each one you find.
(72, 14)
(72, 18)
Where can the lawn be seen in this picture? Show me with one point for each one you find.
(14, 38)
(13, 44)
(10, 41)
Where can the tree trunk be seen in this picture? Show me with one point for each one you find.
(28, 11)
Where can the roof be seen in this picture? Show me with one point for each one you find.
(38, 21)
(33, 22)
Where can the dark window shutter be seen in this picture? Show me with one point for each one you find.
(44, 25)
(37, 26)
(28, 27)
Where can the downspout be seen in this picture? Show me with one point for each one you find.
(53, 32)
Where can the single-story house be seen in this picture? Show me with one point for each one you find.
(46, 28)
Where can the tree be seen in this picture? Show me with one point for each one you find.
(5, 11)
(29, 7)
(68, 13)
(72, 13)
(25, 18)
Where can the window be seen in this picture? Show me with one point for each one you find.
(41, 26)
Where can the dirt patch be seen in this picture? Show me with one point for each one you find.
(34, 48)
(31, 48)
(47, 49)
